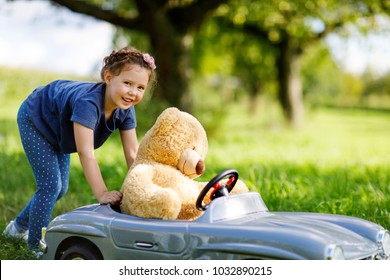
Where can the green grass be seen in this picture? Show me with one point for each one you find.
(337, 163)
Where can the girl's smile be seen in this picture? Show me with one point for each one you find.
(126, 89)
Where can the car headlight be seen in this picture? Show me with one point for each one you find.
(334, 252)
(42, 242)
(383, 239)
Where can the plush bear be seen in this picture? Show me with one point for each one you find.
(160, 184)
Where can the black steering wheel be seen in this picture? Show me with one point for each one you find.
(220, 188)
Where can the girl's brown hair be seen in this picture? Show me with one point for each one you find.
(115, 62)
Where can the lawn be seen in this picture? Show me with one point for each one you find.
(337, 163)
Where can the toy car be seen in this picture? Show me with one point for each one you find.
(235, 226)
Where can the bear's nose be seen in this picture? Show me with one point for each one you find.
(200, 167)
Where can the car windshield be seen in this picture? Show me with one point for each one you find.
(233, 206)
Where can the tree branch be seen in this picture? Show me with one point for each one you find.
(97, 12)
(194, 14)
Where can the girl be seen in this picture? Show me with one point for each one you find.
(68, 116)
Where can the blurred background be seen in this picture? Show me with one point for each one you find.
(294, 94)
(298, 53)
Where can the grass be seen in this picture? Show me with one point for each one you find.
(337, 163)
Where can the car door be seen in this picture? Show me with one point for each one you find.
(148, 237)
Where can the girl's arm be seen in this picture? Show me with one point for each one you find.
(85, 149)
(130, 145)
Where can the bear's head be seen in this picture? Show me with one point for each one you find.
(176, 139)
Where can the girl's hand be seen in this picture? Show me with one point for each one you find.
(112, 197)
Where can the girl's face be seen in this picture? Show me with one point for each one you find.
(126, 89)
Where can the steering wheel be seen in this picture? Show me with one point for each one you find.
(220, 188)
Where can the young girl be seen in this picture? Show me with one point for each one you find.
(68, 116)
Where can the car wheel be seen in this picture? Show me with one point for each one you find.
(81, 252)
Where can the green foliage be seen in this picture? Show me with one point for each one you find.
(337, 163)
(243, 39)
(300, 19)
(250, 40)
(325, 84)
(215, 55)
(321, 76)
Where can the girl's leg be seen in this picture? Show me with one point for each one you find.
(64, 165)
(51, 170)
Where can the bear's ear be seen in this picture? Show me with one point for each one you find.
(166, 121)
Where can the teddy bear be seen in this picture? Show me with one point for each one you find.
(160, 183)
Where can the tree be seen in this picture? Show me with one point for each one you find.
(245, 60)
(292, 26)
(287, 25)
(170, 26)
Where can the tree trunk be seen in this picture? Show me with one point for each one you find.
(170, 27)
(290, 88)
(254, 93)
(172, 59)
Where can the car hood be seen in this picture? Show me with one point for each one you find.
(245, 215)
(285, 230)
